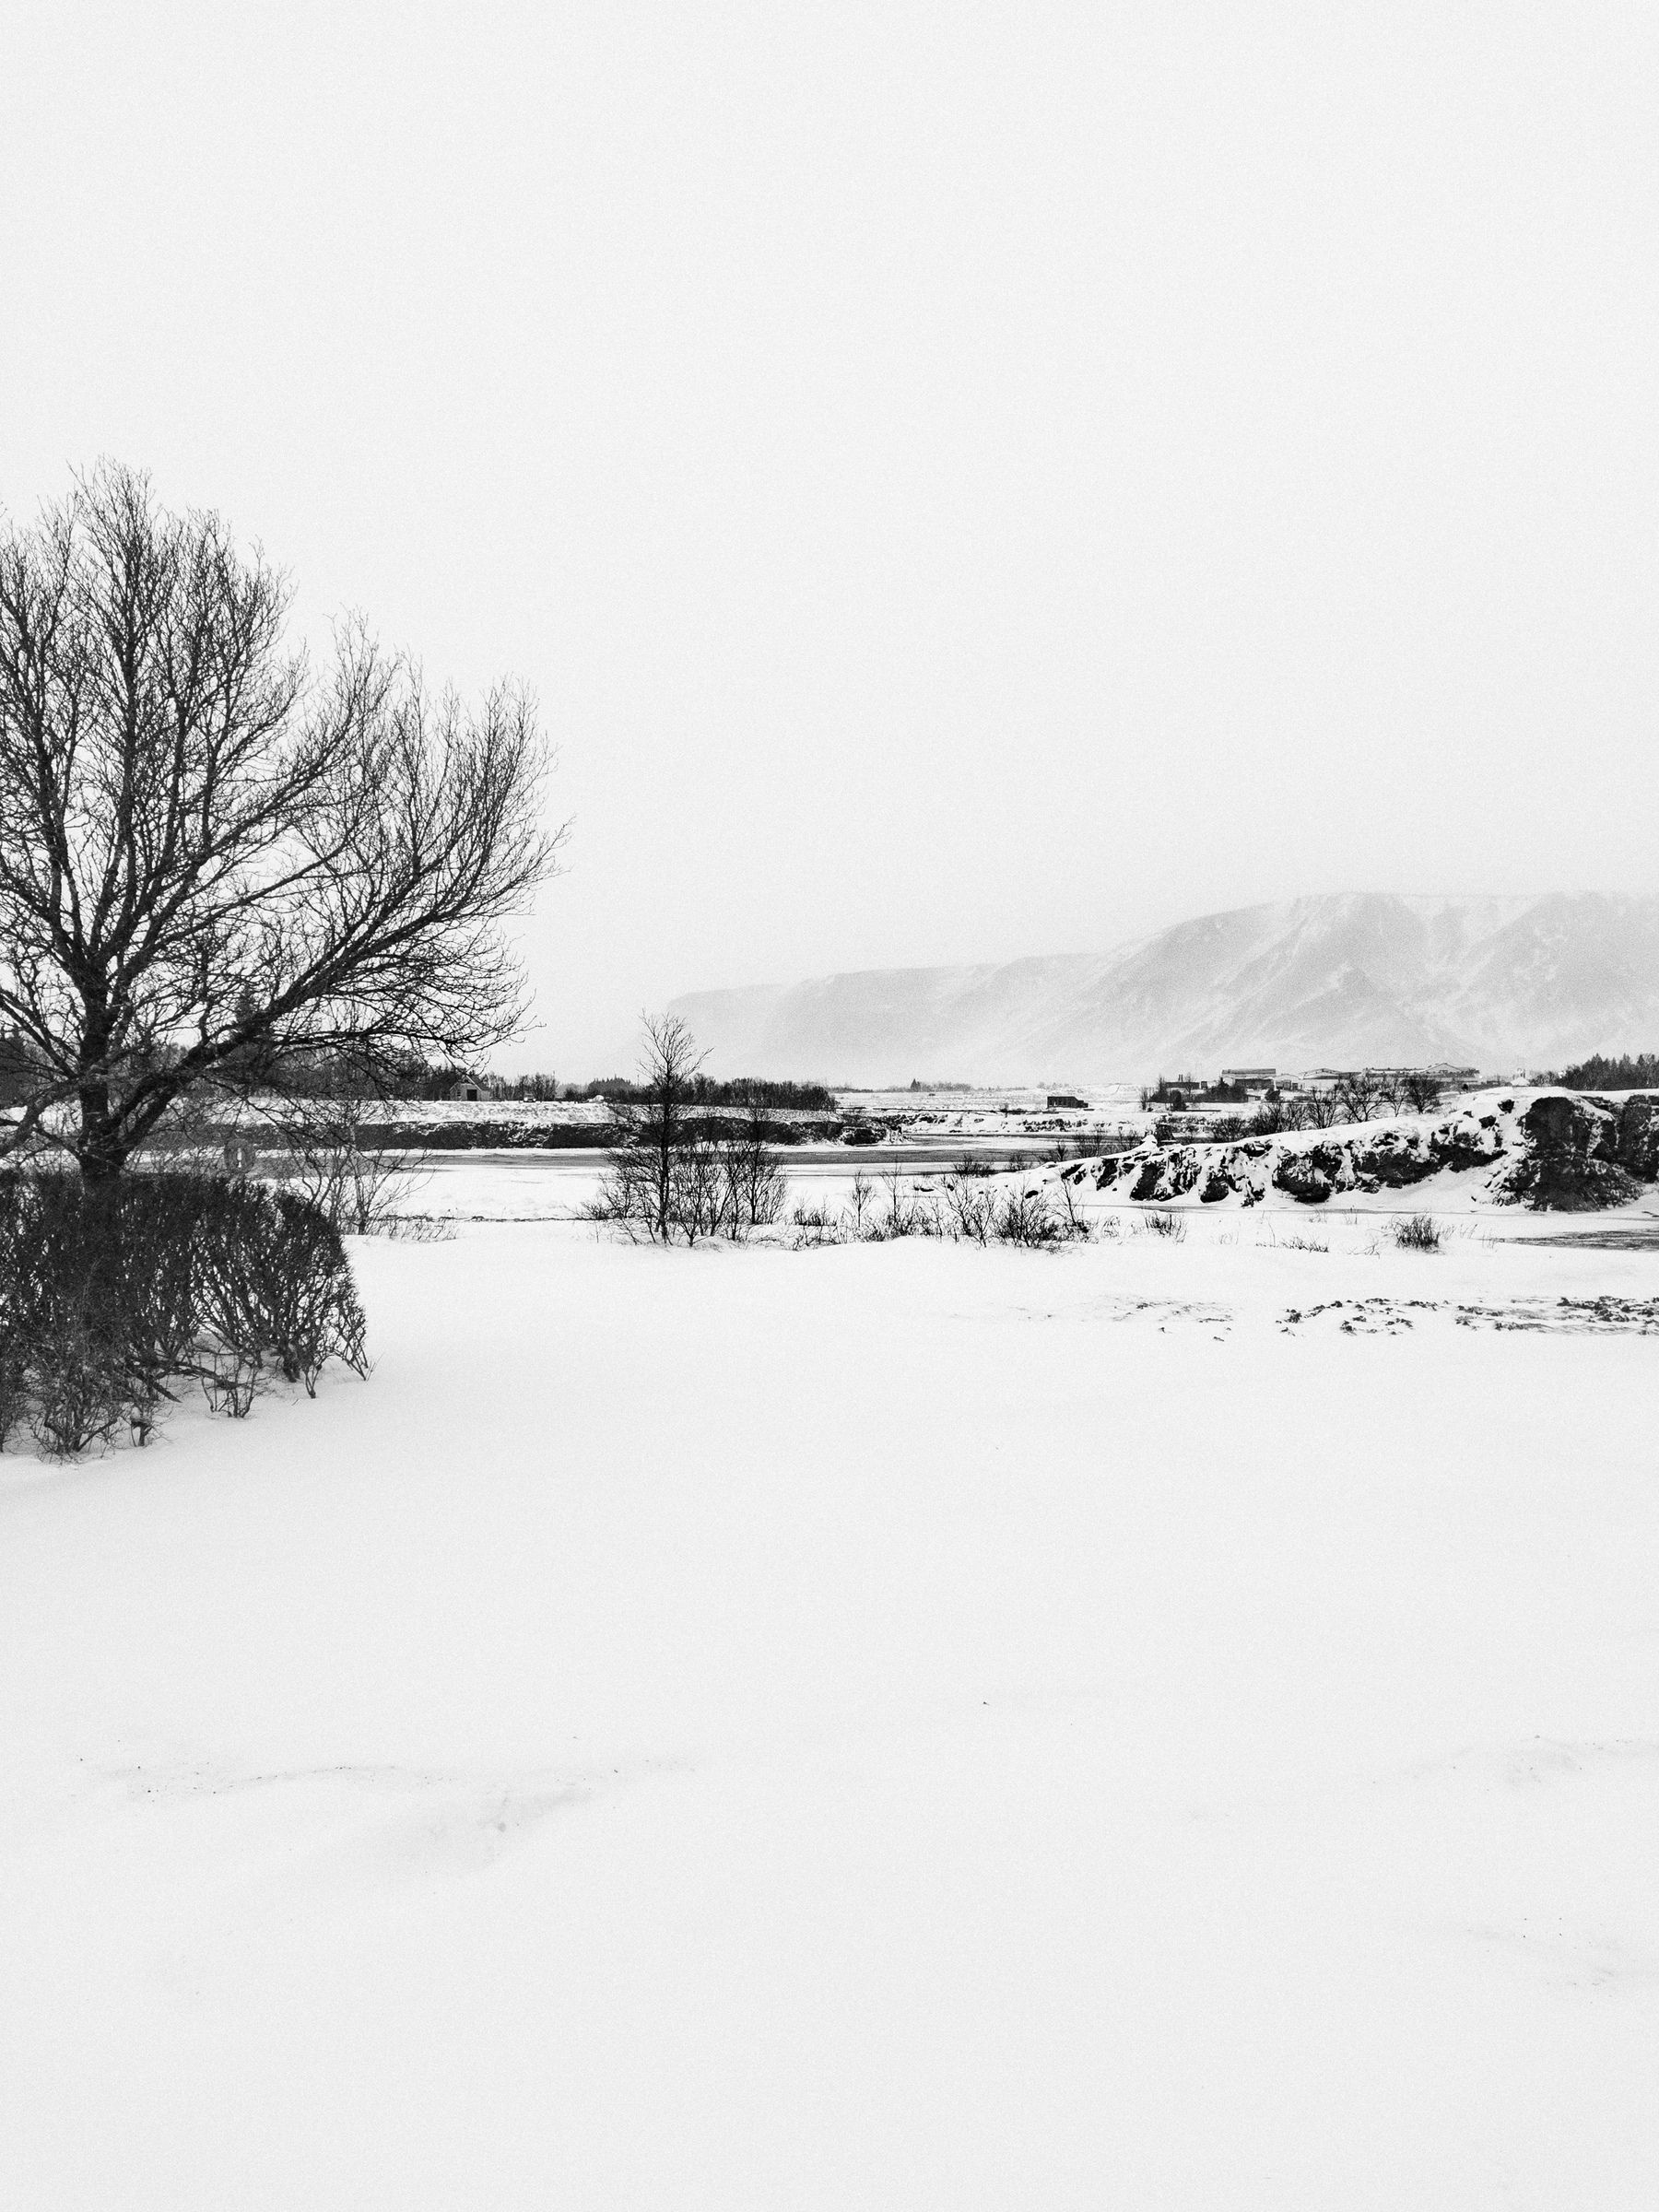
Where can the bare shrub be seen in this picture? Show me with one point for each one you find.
(1162, 1223)
(627, 1197)
(907, 1214)
(755, 1185)
(231, 1381)
(961, 1211)
(968, 1212)
(1075, 1224)
(116, 1292)
(78, 1397)
(859, 1203)
(332, 1157)
(1416, 1232)
(1026, 1218)
(420, 1228)
(696, 1188)
(814, 1224)
(13, 1381)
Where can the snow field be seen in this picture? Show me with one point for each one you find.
(882, 1727)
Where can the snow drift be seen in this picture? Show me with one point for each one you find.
(900, 1728)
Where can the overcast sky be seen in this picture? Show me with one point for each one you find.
(964, 482)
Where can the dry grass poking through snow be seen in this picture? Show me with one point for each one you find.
(1416, 1232)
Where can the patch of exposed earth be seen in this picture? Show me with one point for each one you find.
(1558, 1317)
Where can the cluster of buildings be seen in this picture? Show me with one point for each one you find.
(1239, 1084)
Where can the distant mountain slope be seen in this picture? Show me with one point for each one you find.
(1370, 976)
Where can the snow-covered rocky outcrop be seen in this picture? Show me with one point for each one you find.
(1549, 1149)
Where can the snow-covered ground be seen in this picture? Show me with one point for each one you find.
(882, 1727)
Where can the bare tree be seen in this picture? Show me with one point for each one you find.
(1319, 1109)
(1279, 1114)
(680, 1168)
(334, 1152)
(698, 1195)
(754, 1184)
(211, 861)
(648, 1137)
(1358, 1094)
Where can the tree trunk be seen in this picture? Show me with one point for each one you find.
(101, 1153)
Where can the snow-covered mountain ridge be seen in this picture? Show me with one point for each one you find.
(1339, 980)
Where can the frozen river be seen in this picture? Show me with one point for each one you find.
(554, 1185)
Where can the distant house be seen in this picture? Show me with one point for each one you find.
(467, 1088)
(1248, 1079)
(1060, 1098)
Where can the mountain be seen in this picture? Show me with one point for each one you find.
(1353, 977)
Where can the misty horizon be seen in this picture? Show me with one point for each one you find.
(956, 497)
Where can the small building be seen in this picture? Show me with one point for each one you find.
(466, 1090)
(1061, 1099)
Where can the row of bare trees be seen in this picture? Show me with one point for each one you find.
(1361, 1096)
(1358, 1097)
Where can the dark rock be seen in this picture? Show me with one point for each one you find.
(1151, 1172)
(1583, 1126)
(1311, 1176)
(1639, 1136)
(1183, 1171)
(1397, 1157)
(1574, 1165)
(1570, 1182)
(1466, 1144)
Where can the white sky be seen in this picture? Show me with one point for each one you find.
(964, 481)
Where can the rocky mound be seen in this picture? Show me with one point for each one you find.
(1559, 1152)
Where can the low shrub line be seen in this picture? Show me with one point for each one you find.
(113, 1295)
(961, 1209)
